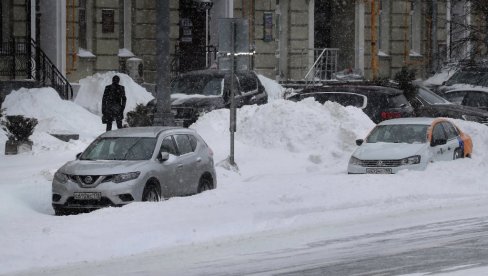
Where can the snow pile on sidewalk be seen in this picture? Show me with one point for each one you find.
(292, 160)
(273, 89)
(91, 92)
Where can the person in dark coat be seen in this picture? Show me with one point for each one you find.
(113, 103)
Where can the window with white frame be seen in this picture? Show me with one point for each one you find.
(125, 28)
(415, 31)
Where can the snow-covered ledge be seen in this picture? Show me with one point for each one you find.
(125, 53)
(83, 53)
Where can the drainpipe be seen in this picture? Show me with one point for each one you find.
(374, 47)
(435, 50)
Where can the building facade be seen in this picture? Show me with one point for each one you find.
(373, 37)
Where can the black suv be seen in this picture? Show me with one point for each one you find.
(379, 103)
(197, 92)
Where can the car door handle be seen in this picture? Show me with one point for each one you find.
(199, 159)
(179, 166)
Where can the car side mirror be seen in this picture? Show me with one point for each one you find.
(359, 142)
(78, 155)
(438, 142)
(163, 156)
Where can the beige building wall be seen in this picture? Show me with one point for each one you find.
(399, 37)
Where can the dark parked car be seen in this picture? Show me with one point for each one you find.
(429, 104)
(475, 76)
(198, 92)
(474, 97)
(379, 103)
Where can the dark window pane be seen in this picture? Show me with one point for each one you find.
(248, 82)
(183, 143)
(168, 146)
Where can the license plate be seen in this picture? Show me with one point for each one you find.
(88, 196)
(379, 170)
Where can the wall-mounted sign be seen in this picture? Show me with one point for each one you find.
(186, 30)
(268, 26)
(108, 20)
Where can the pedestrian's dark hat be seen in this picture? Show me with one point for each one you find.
(116, 79)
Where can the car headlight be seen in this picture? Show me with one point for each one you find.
(410, 160)
(355, 161)
(118, 178)
(60, 177)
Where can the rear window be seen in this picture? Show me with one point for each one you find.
(472, 77)
(455, 97)
(345, 99)
(398, 100)
(207, 85)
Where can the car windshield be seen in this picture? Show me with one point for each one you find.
(430, 97)
(206, 85)
(120, 148)
(404, 133)
(469, 77)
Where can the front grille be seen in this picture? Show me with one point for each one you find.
(90, 181)
(103, 202)
(380, 163)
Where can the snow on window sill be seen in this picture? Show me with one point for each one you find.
(382, 54)
(126, 53)
(414, 54)
(83, 53)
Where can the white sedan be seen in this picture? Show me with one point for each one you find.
(409, 143)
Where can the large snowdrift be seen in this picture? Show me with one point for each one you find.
(292, 160)
(91, 92)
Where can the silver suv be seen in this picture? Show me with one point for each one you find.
(134, 164)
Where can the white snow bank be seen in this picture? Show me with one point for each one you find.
(273, 89)
(91, 92)
(292, 160)
(54, 114)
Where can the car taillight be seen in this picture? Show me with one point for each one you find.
(390, 115)
(210, 151)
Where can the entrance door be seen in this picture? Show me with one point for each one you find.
(322, 24)
(193, 35)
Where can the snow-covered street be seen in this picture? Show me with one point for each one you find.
(292, 178)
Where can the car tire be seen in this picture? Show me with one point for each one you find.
(458, 153)
(205, 184)
(151, 193)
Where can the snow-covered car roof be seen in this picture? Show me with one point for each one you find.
(142, 131)
(458, 88)
(410, 121)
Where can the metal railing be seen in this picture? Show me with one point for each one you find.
(22, 58)
(324, 66)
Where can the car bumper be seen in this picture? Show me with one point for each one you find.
(356, 169)
(111, 194)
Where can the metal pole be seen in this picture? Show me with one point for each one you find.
(232, 94)
(163, 116)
